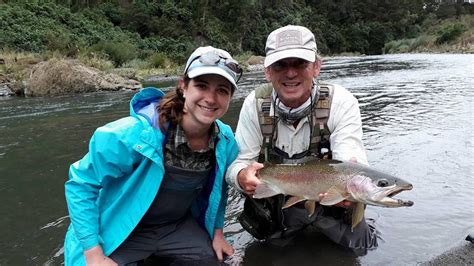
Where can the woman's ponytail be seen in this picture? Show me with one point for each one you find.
(171, 106)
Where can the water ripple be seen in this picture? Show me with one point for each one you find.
(417, 113)
(57, 223)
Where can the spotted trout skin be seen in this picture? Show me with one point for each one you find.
(341, 180)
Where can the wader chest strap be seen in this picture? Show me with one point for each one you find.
(320, 138)
(321, 133)
(266, 121)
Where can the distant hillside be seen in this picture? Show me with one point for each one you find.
(160, 34)
(452, 35)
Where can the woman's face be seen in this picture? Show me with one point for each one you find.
(207, 98)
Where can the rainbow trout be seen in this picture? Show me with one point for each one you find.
(340, 180)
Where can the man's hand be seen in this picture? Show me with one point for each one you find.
(220, 245)
(95, 256)
(248, 179)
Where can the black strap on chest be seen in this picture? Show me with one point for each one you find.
(320, 135)
(319, 144)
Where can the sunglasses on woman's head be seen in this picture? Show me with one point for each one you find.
(213, 59)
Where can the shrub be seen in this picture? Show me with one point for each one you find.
(137, 63)
(404, 48)
(118, 52)
(176, 49)
(450, 33)
(421, 41)
(397, 46)
(95, 59)
(413, 30)
(38, 26)
(57, 41)
(159, 60)
(22, 30)
(242, 58)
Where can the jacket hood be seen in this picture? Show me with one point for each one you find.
(143, 104)
(144, 98)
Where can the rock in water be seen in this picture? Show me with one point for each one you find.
(61, 76)
(470, 238)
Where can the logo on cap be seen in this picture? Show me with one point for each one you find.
(289, 37)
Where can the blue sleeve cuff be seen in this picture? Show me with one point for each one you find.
(89, 242)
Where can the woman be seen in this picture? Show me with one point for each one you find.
(152, 183)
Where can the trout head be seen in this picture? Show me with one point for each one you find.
(378, 190)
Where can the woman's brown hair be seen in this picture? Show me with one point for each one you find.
(172, 104)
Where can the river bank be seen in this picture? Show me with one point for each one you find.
(461, 255)
(27, 74)
(452, 36)
(16, 70)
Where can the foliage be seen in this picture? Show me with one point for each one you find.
(402, 46)
(94, 59)
(37, 27)
(118, 52)
(178, 49)
(449, 33)
(166, 31)
(436, 35)
(159, 60)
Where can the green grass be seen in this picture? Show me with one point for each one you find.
(450, 35)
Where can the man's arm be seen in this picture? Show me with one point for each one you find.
(242, 172)
(345, 125)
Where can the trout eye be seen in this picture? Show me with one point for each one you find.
(382, 183)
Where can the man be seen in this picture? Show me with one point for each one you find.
(288, 121)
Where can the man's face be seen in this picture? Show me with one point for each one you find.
(292, 79)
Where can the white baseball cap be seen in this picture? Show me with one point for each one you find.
(290, 41)
(210, 60)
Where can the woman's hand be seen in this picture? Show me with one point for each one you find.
(95, 256)
(220, 245)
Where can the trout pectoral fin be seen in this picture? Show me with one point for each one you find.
(265, 190)
(332, 197)
(310, 206)
(358, 214)
(292, 201)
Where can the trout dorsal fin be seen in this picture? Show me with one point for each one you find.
(332, 197)
(265, 190)
(357, 214)
(292, 201)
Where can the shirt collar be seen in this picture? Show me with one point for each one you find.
(180, 137)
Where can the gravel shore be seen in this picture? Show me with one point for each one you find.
(462, 255)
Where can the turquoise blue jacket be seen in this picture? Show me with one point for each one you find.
(111, 188)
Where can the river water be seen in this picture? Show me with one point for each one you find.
(417, 113)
